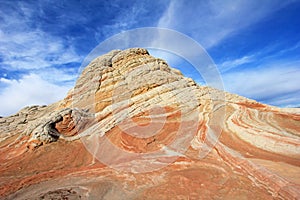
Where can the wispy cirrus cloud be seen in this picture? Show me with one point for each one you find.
(269, 75)
(231, 64)
(276, 83)
(138, 14)
(209, 22)
(262, 58)
(23, 45)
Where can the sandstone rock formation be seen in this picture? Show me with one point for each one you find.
(134, 128)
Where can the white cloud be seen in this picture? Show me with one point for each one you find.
(267, 77)
(25, 46)
(29, 90)
(231, 64)
(26, 49)
(276, 84)
(209, 22)
(58, 76)
(123, 20)
(34, 50)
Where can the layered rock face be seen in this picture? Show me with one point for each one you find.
(135, 128)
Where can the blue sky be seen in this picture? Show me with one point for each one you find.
(255, 44)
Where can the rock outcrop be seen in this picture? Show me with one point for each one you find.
(134, 128)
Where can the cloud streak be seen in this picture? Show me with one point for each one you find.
(277, 84)
(232, 64)
(209, 22)
(25, 47)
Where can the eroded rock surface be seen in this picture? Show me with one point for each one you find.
(134, 128)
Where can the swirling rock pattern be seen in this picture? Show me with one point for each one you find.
(134, 128)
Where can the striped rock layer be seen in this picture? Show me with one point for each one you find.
(135, 128)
